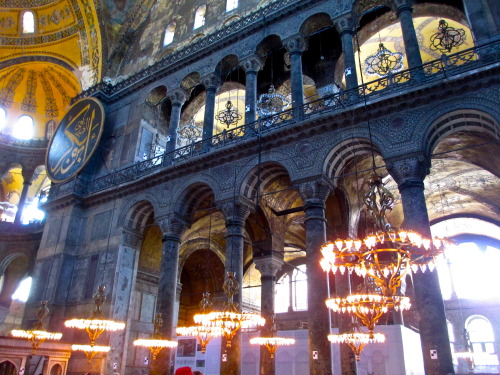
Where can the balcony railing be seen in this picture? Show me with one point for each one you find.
(431, 72)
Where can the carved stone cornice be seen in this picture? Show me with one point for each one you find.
(236, 210)
(409, 170)
(269, 265)
(295, 44)
(177, 97)
(252, 64)
(211, 81)
(314, 190)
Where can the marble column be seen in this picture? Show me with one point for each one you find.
(314, 194)
(412, 48)
(345, 28)
(295, 46)
(172, 226)
(211, 83)
(251, 65)
(27, 176)
(177, 98)
(268, 265)
(235, 213)
(409, 172)
(481, 20)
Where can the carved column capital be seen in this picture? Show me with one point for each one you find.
(408, 170)
(235, 211)
(314, 190)
(178, 96)
(269, 265)
(211, 81)
(344, 25)
(252, 64)
(403, 5)
(295, 44)
(130, 238)
(172, 226)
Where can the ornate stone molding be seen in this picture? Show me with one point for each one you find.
(172, 226)
(315, 190)
(344, 24)
(177, 97)
(269, 265)
(236, 210)
(130, 238)
(252, 64)
(211, 81)
(295, 44)
(409, 170)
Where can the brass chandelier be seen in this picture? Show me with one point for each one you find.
(156, 343)
(38, 334)
(384, 61)
(230, 319)
(272, 341)
(356, 340)
(203, 333)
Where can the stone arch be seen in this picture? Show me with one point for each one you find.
(315, 23)
(135, 214)
(56, 369)
(190, 80)
(190, 246)
(262, 174)
(191, 195)
(8, 367)
(13, 269)
(156, 95)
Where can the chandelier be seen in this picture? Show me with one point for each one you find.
(96, 324)
(230, 320)
(271, 103)
(356, 340)
(368, 307)
(230, 115)
(203, 333)
(387, 254)
(90, 350)
(189, 132)
(155, 344)
(384, 61)
(446, 38)
(272, 341)
(38, 334)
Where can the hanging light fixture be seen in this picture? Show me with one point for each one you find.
(203, 333)
(271, 103)
(39, 334)
(387, 254)
(384, 62)
(90, 350)
(96, 324)
(189, 133)
(356, 340)
(447, 38)
(156, 343)
(272, 341)
(230, 115)
(230, 319)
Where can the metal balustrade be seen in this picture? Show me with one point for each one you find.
(433, 71)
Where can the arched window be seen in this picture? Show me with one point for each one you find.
(169, 34)
(50, 128)
(231, 4)
(291, 291)
(28, 22)
(199, 17)
(23, 290)
(3, 117)
(23, 128)
(482, 340)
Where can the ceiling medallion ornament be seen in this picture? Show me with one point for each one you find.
(447, 38)
(203, 333)
(230, 115)
(39, 334)
(230, 319)
(156, 343)
(75, 140)
(271, 103)
(272, 341)
(189, 133)
(384, 62)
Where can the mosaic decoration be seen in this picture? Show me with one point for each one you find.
(29, 102)
(63, 78)
(7, 23)
(7, 93)
(51, 109)
(447, 38)
(384, 62)
(59, 87)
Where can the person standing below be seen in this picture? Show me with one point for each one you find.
(183, 371)
(196, 372)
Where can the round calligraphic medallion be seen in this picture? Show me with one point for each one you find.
(75, 140)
